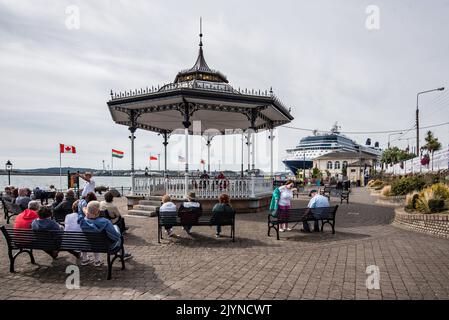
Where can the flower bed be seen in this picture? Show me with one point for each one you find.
(436, 224)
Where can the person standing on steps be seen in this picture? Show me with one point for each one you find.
(89, 185)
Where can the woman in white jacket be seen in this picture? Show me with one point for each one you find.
(167, 213)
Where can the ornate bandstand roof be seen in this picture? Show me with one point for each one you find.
(198, 94)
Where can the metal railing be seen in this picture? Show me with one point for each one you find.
(236, 188)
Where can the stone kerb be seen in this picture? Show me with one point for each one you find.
(436, 224)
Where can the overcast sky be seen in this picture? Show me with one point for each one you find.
(319, 57)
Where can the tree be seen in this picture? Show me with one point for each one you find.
(432, 144)
(316, 173)
(394, 155)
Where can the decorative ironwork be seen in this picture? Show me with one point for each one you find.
(141, 126)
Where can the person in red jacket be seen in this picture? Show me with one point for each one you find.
(24, 219)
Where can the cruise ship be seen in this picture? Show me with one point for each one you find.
(317, 145)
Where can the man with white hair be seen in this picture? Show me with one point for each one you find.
(23, 199)
(90, 221)
(25, 219)
(89, 185)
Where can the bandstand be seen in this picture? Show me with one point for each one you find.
(205, 95)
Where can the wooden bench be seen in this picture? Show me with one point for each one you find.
(323, 215)
(326, 191)
(11, 210)
(206, 219)
(25, 241)
(344, 196)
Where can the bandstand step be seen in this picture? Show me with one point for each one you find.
(150, 203)
(141, 213)
(145, 207)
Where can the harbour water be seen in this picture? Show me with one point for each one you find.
(45, 181)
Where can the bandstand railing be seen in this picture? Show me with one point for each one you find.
(236, 188)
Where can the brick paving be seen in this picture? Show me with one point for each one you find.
(299, 266)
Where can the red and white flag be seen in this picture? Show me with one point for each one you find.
(66, 149)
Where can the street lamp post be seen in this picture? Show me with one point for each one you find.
(389, 136)
(8, 168)
(417, 113)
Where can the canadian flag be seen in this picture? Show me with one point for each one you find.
(66, 149)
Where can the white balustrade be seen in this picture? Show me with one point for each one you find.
(440, 162)
(236, 188)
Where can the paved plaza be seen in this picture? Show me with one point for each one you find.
(299, 266)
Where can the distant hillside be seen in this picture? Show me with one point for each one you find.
(48, 171)
(56, 170)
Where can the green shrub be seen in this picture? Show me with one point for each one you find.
(431, 199)
(405, 185)
(436, 205)
(441, 190)
(410, 200)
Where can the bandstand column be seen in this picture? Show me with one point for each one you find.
(208, 144)
(271, 152)
(248, 144)
(252, 136)
(243, 143)
(132, 129)
(165, 143)
(253, 146)
(186, 124)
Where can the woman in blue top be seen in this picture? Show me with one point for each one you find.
(90, 221)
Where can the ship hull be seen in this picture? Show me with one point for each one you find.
(295, 165)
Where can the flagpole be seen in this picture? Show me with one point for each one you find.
(60, 171)
(112, 171)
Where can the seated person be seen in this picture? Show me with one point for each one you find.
(190, 211)
(71, 224)
(65, 207)
(25, 219)
(23, 199)
(44, 222)
(83, 202)
(6, 196)
(168, 212)
(90, 221)
(317, 201)
(41, 195)
(59, 197)
(222, 209)
(71, 220)
(112, 210)
(14, 194)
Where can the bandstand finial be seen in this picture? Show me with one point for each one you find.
(201, 31)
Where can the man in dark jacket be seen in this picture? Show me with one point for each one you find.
(65, 207)
(189, 212)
